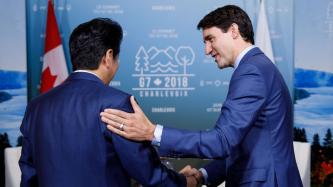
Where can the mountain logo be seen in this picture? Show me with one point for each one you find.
(163, 72)
(164, 61)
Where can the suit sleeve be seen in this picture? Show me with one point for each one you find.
(141, 161)
(246, 96)
(216, 171)
(29, 175)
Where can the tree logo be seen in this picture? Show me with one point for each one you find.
(163, 72)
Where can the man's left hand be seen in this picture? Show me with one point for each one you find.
(134, 126)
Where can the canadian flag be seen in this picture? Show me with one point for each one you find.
(54, 63)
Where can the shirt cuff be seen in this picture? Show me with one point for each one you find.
(205, 175)
(157, 135)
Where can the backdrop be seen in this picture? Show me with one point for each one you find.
(162, 60)
(13, 70)
(314, 85)
(13, 75)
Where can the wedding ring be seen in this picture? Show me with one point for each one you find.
(121, 127)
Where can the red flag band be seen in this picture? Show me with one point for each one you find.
(54, 63)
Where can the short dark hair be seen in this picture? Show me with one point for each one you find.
(225, 16)
(90, 40)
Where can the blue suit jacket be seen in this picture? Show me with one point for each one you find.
(252, 137)
(66, 144)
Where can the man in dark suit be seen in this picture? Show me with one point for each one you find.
(252, 140)
(64, 141)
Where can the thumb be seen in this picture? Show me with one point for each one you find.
(135, 105)
(185, 170)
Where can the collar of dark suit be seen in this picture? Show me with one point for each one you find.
(254, 51)
(84, 76)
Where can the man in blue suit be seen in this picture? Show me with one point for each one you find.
(64, 141)
(252, 141)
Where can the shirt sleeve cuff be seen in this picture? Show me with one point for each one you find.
(157, 135)
(204, 174)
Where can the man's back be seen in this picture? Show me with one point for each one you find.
(66, 136)
(68, 145)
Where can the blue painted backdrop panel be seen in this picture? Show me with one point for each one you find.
(314, 68)
(13, 69)
(162, 59)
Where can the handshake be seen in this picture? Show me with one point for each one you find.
(193, 176)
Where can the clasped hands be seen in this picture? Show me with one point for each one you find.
(193, 176)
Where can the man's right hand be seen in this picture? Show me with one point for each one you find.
(135, 126)
(191, 181)
(190, 174)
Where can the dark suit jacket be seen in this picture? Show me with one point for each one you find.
(253, 135)
(66, 144)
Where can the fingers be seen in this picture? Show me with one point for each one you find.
(198, 174)
(187, 169)
(191, 181)
(117, 131)
(127, 132)
(135, 105)
(190, 174)
(113, 119)
(110, 122)
(119, 113)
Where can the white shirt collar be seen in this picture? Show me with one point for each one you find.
(242, 54)
(86, 71)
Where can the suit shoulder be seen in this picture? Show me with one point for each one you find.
(42, 97)
(115, 98)
(37, 99)
(112, 92)
(261, 60)
(260, 63)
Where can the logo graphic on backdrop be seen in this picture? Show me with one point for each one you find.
(163, 72)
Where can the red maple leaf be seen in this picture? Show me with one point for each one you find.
(47, 80)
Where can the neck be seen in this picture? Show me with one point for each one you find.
(106, 80)
(241, 46)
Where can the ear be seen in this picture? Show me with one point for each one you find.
(108, 58)
(109, 55)
(234, 31)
